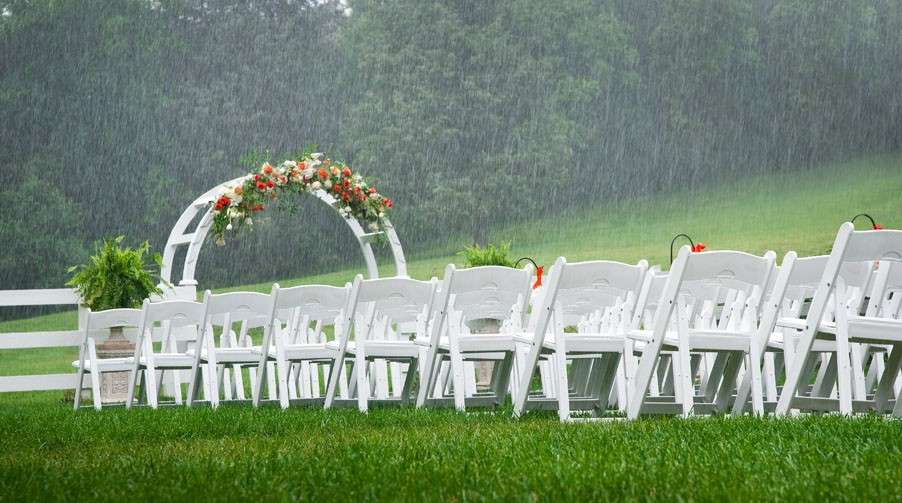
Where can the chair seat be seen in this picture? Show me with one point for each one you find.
(778, 340)
(108, 364)
(491, 343)
(314, 351)
(589, 343)
(383, 349)
(699, 340)
(232, 355)
(824, 329)
(170, 360)
(875, 330)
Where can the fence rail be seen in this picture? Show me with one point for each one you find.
(49, 339)
(53, 338)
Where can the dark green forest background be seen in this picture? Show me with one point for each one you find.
(114, 115)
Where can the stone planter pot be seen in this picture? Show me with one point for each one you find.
(484, 369)
(114, 385)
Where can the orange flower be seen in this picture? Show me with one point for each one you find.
(267, 169)
(323, 174)
(238, 190)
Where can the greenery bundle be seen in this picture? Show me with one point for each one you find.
(489, 255)
(117, 277)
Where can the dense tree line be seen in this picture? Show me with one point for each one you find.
(115, 115)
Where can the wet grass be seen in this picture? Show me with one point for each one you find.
(52, 453)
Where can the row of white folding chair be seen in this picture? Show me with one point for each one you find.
(876, 328)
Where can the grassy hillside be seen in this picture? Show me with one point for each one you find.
(786, 211)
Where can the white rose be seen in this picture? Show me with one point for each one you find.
(317, 155)
(229, 227)
(328, 184)
(381, 214)
(316, 185)
(374, 226)
(249, 221)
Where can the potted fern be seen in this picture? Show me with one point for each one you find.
(116, 277)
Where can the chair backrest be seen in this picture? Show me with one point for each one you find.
(652, 287)
(178, 313)
(99, 320)
(250, 309)
(316, 302)
(102, 320)
(321, 306)
(401, 299)
(721, 288)
(594, 288)
(402, 302)
(237, 306)
(488, 292)
(177, 319)
(851, 246)
(889, 297)
(806, 273)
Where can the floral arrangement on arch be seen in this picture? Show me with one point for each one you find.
(354, 196)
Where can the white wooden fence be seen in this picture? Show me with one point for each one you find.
(55, 338)
(29, 340)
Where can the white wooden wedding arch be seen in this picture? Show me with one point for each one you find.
(182, 236)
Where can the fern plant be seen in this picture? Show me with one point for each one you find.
(117, 277)
(491, 254)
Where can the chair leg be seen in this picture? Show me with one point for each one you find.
(888, 379)
(408, 380)
(503, 378)
(562, 385)
(363, 383)
(753, 364)
(95, 390)
(79, 382)
(770, 377)
(283, 368)
(457, 376)
(150, 380)
(607, 372)
(727, 383)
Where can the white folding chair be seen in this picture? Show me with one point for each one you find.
(304, 315)
(87, 355)
(224, 361)
(847, 327)
(387, 315)
(176, 320)
(795, 282)
(710, 304)
(490, 295)
(597, 299)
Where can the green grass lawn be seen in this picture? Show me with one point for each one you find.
(48, 452)
(51, 453)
